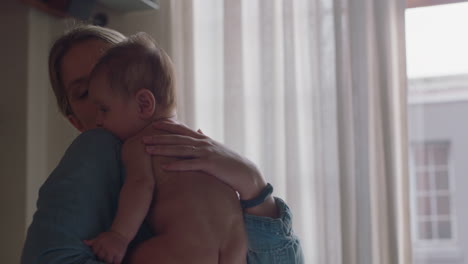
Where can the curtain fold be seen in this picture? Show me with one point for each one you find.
(372, 91)
(313, 92)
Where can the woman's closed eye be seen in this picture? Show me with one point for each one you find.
(77, 94)
(78, 89)
(83, 94)
(103, 109)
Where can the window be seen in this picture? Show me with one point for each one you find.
(437, 71)
(432, 191)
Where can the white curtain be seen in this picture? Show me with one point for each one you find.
(372, 124)
(313, 92)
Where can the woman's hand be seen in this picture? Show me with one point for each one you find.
(205, 154)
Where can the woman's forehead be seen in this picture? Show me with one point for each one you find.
(80, 59)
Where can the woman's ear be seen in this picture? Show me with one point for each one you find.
(146, 103)
(75, 122)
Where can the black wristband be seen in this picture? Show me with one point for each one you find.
(267, 191)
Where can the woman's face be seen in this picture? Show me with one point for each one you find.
(76, 66)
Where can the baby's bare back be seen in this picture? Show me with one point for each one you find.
(198, 217)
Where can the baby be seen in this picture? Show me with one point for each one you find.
(195, 217)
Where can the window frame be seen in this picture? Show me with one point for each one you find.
(424, 3)
(430, 243)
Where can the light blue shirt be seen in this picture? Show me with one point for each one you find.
(79, 200)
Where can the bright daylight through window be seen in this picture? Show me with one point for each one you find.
(437, 68)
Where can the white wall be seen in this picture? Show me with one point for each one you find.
(13, 102)
(32, 132)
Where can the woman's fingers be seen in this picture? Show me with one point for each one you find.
(187, 165)
(175, 128)
(171, 139)
(182, 151)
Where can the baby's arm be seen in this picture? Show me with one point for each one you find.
(134, 202)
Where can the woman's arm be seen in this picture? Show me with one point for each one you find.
(77, 201)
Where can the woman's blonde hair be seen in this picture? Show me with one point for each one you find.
(62, 45)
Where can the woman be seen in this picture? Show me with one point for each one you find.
(79, 198)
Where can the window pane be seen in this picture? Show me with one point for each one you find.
(420, 155)
(445, 229)
(424, 205)
(425, 230)
(423, 181)
(440, 154)
(443, 205)
(442, 180)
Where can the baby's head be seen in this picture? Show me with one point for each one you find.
(132, 85)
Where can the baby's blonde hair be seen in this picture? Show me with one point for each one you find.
(140, 63)
(62, 45)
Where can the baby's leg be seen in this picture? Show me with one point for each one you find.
(165, 249)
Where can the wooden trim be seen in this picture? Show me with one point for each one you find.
(422, 3)
(40, 5)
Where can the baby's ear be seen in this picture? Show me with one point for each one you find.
(146, 103)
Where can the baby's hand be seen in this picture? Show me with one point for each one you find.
(109, 247)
